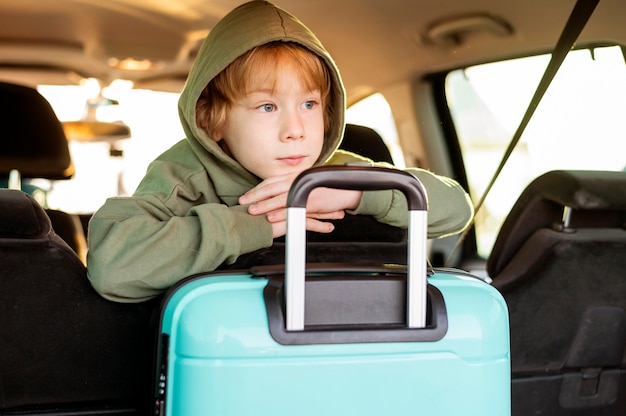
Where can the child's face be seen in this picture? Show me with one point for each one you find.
(276, 131)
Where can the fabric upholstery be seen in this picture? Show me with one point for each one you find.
(366, 142)
(20, 219)
(597, 197)
(565, 287)
(70, 228)
(63, 346)
(32, 139)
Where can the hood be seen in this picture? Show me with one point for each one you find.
(250, 25)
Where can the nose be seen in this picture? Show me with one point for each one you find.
(292, 126)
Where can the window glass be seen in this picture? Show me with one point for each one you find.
(154, 124)
(577, 125)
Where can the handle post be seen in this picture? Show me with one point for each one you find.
(355, 178)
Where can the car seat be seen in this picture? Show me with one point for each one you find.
(366, 142)
(64, 349)
(560, 263)
(35, 146)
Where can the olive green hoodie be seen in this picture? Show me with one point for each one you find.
(184, 217)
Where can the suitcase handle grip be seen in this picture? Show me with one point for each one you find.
(367, 178)
(358, 177)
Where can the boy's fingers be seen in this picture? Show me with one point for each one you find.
(319, 226)
(281, 215)
(336, 215)
(268, 205)
(279, 228)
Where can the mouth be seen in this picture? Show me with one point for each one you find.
(292, 160)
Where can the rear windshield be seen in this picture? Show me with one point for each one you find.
(579, 124)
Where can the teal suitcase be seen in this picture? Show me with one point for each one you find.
(349, 339)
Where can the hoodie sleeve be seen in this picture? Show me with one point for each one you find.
(140, 246)
(449, 206)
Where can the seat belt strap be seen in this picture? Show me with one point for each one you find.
(578, 19)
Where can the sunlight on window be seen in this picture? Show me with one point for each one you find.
(577, 125)
(153, 119)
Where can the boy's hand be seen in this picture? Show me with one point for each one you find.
(270, 198)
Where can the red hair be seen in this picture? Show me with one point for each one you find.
(259, 67)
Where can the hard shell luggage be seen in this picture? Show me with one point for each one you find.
(352, 340)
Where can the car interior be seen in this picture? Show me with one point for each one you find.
(565, 228)
(550, 227)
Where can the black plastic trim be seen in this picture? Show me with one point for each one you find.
(162, 372)
(358, 177)
(436, 323)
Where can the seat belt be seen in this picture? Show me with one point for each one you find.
(578, 19)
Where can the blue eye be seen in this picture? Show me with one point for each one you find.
(309, 105)
(267, 107)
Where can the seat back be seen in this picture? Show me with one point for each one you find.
(560, 263)
(366, 142)
(70, 228)
(63, 348)
(33, 143)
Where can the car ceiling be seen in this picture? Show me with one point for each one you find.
(376, 43)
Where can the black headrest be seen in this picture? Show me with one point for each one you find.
(598, 199)
(31, 137)
(366, 142)
(21, 216)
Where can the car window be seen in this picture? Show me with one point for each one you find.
(154, 124)
(577, 125)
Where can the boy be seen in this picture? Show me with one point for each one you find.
(263, 102)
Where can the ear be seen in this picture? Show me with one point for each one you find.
(202, 123)
(216, 136)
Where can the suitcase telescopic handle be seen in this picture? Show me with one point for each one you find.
(366, 178)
